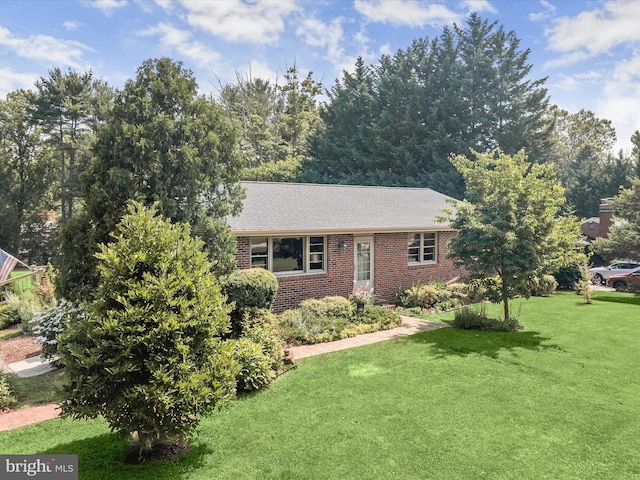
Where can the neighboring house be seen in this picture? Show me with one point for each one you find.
(322, 240)
(599, 226)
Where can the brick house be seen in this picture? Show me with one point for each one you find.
(324, 240)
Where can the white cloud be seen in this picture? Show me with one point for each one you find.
(407, 12)
(182, 42)
(107, 6)
(576, 82)
(261, 21)
(46, 49)
(620, 101)
(321, 34)
(70, 25)
(597, 31)
(548, 9)
(11, 81)
(478, 6)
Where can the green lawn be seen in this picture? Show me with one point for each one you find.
(558, 400)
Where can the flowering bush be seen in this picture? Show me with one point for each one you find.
(52, 322)
(362, 295)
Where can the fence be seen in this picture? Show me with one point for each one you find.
(24, 282)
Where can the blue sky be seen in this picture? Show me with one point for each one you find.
(589, 50)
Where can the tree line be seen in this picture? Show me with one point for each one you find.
(82, 148)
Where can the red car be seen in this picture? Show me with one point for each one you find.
(625, 281)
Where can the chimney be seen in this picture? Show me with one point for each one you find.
(606, 217)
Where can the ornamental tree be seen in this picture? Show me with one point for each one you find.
(148, 356)
(509, 225)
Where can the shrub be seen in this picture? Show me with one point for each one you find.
(569, 278)
(6, 397)
(250, 288)
(25, 306)
(260, 326)
(425, 296)
(51, 323)
(327, 307)
(253, 288)
(255, 367)
(300, 326)
(543, 286)
(8, 316)
(477, 319)
(379, 316)
(148, 356)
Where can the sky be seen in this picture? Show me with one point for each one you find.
(589, 50)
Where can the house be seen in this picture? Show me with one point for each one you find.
(322, 240)
(595, 227)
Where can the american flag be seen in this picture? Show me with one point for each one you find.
(7, 264)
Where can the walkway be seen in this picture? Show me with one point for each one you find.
(410, 326)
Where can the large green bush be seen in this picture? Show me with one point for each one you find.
(148, 356)
(332, 306)
(248, 290)
(6, 396)
(543, 285)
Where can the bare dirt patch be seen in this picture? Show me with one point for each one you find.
(19, 348)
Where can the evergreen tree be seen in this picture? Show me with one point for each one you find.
(148, 355)
(162, 144)
(27, 181)
(398, 122)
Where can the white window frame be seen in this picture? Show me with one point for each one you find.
(421, 248)
(306, 255)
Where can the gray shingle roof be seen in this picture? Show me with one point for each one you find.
(275, 208)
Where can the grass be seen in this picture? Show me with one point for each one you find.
(29, 391)
(557, 400)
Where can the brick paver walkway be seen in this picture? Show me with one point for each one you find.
(410, 326)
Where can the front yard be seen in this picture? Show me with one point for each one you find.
(555, 400)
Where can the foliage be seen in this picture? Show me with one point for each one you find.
(569, 277)
(624, 238)
(332, 318)
(148, 356)
(22, 308)
(162, 144)
(8, 316)
(275, 122)
(255, 370)
(478, 319)
(6, 397)
(438, 296)
(332, 306)
(397, 122)
(509, 225)
(248, 290)
(48, 325)
(260, 326)
(543, 285)
(27, 181)
(581, 148)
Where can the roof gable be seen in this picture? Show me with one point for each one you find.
(275, 208)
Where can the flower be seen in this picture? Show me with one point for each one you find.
(362, 295)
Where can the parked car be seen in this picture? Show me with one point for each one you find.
(627, 281)
(600, 275)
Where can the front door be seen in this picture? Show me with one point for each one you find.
(363, 271)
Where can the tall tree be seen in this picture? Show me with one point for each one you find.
(164, 144)
(27, 181)
(64, 110)
(581, 147)
(509, 225)
(397, 122)
(275, 122)
(624, 237)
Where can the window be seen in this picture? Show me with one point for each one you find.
(421, 247)
(283, 255)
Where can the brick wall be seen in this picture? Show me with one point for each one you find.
(391, 269)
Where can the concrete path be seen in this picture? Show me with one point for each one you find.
(29, 367)
(29, 415)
